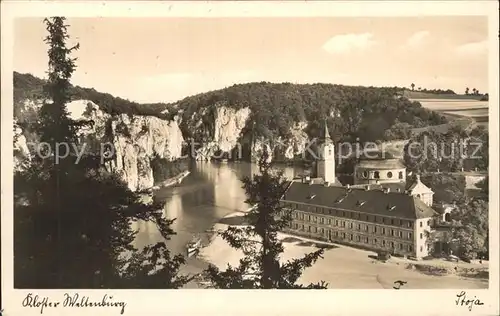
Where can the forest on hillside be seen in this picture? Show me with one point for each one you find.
(27, 86)
(351, 111)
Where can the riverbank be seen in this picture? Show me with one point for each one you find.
(348, 268)
(196, 264)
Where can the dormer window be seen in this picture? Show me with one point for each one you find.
(339, 200)
(377, 175)
(360, 203)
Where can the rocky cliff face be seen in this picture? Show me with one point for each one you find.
(219, 132)
(283, 149)
(22, 156)
(226, 131)
(134, 141)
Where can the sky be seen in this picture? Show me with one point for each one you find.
(166, 59)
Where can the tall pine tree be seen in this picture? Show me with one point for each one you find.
(72, 218)
(55, 125)
(260, 268)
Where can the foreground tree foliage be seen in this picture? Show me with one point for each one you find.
(72, 219)
(261, 267)
(79, 236)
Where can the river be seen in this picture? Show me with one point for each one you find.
(210, 192)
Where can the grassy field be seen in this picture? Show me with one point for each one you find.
(425, 95)
(453, 106)
(465, 110)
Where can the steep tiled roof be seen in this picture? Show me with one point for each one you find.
(414, 183)
(376, 202)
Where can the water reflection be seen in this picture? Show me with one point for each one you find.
(209, 193)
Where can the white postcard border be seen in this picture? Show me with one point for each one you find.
(258, 302)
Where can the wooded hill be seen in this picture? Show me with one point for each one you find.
(351, 111)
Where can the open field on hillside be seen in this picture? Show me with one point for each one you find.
(459, 108)
(426, 95)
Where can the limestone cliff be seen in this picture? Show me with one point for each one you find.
(223, 132)
(22, 155)
(297, 143)
(217, 131)
(133, 141)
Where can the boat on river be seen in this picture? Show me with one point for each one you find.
(193, 246)
(174, 180)
(167, 183)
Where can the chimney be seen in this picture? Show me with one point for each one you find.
(348, 186)
(387, 190)
(367, 187)
(418, 178)
(306, 179)
(398, 190)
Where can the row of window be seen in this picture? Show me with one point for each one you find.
(376, 175)
(352, 215)
(351, 225)
(331, 234)
(330, 221)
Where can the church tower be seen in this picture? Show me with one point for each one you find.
(326, 160)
